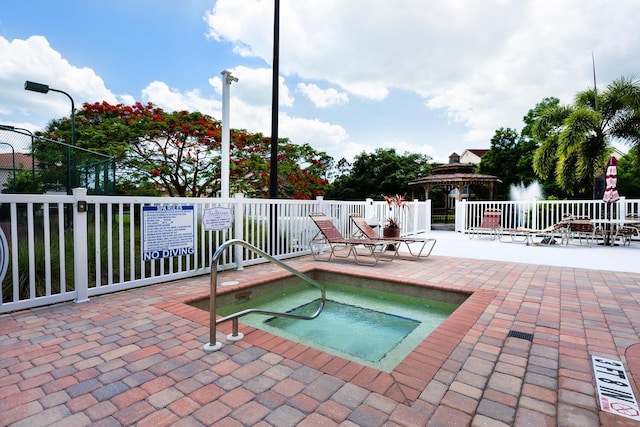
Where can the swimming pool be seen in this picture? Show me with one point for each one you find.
(371, 322)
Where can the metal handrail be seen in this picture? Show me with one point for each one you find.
(235, 335)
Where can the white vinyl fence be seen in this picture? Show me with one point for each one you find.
(72, 247)
(539, 214)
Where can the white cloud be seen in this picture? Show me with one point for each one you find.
(483, 63)
(254, 86)
(247, 108)
(323, 98)
(320, 135)
(35, 60)
(173, 100)
(478, 66)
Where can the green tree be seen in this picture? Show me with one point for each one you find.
(530, 133)
(629, 175)
(509, 158)
(377, 173)
(23, 183)
(301, 169)
(575, 140)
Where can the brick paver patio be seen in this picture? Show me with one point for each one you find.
(136, 357)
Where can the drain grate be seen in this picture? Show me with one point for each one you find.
(521, 335)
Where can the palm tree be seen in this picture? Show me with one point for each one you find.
(575, 141)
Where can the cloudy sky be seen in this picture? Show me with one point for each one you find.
(427, 76)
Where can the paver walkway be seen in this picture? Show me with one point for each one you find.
(136, 357)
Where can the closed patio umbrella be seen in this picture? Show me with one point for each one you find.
(610, 194)
(611, 178)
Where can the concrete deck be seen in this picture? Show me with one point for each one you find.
(136, 357)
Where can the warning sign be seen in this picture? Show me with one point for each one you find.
(167, 231)
(217, 218)
(614, 390)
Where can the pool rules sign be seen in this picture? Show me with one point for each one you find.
(167, 231)
(614, 390)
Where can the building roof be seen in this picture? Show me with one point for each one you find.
(22, 161)
(478, 151)
(454, 173)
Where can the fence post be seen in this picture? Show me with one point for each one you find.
(368, 209)
(622, 208)
(320, 200)
(461, 212)
(238, 232)
(80, 258)
(416, 216)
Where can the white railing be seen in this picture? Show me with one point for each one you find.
(539, 214)
(73, 247)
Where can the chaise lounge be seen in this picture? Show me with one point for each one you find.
(528, 235)
(422, 243)
(328, 234)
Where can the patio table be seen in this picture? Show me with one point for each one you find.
(630, 227)
(612, 228)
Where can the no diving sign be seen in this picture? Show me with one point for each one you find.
(614, 390)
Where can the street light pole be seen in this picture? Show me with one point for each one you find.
(226, 131)
(43, 88)
(273, 173)
(273, 182)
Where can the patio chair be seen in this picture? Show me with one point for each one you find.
(629, 230)
(625, 233)
(328, 234)
(422, 243)
(490, 225)
(581, 228)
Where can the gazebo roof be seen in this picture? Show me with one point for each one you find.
(454, 175)
(454, 179)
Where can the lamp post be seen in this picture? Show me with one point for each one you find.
(42, 88)
(226, 129)
(273, 174)
(273, 181)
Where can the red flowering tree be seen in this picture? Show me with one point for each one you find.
(179, 153)
(301, 169)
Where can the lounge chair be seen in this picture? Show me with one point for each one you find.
(369, 233)
(328, 234)
(547, 234)
(570, 227)
(490, 225)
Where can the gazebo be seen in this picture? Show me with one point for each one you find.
(455, 176)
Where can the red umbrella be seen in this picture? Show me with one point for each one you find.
(611, 192)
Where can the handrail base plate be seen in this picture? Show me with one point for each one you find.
(211, 348)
